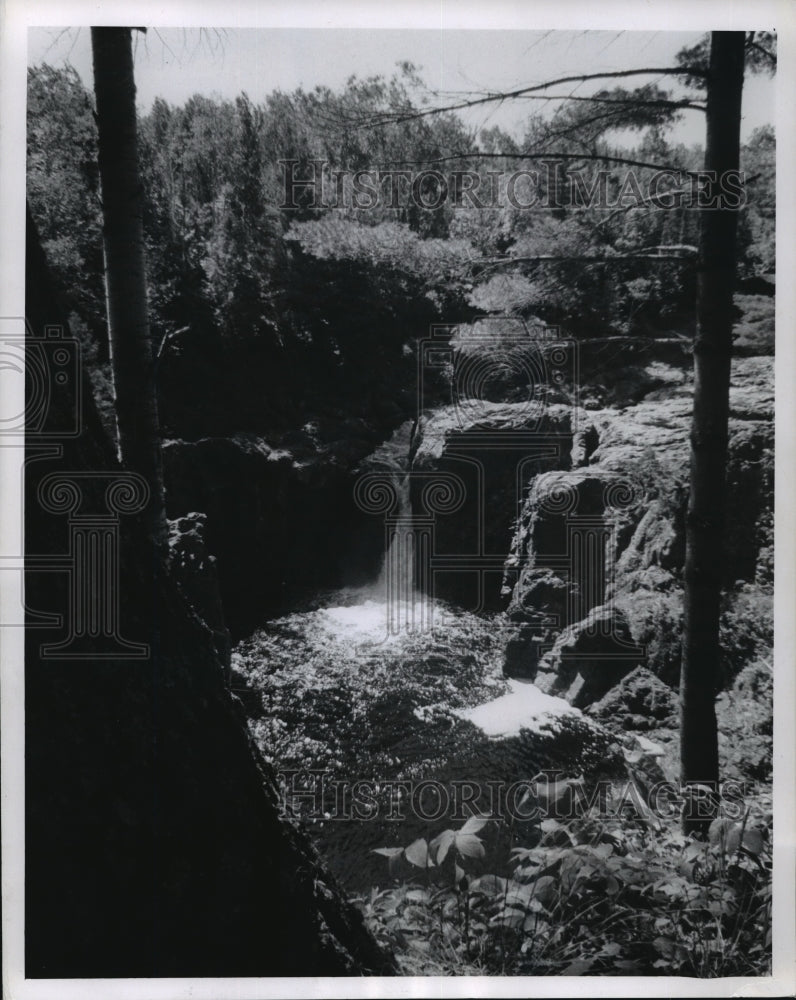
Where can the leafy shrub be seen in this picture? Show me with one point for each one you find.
(605, 896)
(746, 629)
(753, 332)
(746, 724)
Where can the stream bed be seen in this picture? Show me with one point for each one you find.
(375, 733)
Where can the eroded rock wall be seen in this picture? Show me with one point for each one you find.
(615, 477)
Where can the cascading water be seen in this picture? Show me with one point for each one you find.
(394, 604)
(402, 583)
(397, 581)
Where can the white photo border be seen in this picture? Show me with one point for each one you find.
(680, 15)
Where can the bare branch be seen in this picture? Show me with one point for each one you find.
(583, 123)
(681, 252)
(604, 158)
(652, 201)
(167, 338)
(57, 39)
(660, 102)
(389, 118)
(636, 103)
(669, 248)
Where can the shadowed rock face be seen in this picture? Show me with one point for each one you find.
(639, 701)
(644, 444)
(482, 448)
(281, 519)
(194, 571)
(154, 841)
(589, 658)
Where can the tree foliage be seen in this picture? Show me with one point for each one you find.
(227, 261)
(62, 187)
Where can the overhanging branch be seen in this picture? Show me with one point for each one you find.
(395, 117)
(552, 157)
(675, 252)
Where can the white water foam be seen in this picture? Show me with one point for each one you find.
(524, 707)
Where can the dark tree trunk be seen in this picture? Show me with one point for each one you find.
(154, 840)
(125, 268)
(712, 356)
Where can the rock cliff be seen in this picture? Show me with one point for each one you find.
(595, 525)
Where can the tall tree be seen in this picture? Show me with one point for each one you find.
(132, 355)
(699, 759)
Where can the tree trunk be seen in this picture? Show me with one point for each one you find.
(712, 356)
(132, 356)
(154, 840)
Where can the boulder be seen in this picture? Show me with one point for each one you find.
(655, 616)
(549, 588)
(589, 658)
(639, 701)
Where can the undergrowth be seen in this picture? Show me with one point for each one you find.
(599, 896)
(623, 892)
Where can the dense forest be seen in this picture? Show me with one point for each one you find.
(302, 252)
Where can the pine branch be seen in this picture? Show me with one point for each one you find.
(764, 52)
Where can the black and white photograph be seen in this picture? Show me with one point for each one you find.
(390, 560)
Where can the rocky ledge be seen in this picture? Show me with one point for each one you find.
(612, 486)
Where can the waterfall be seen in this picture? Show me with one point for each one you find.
(408, 607)
(397, 581)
